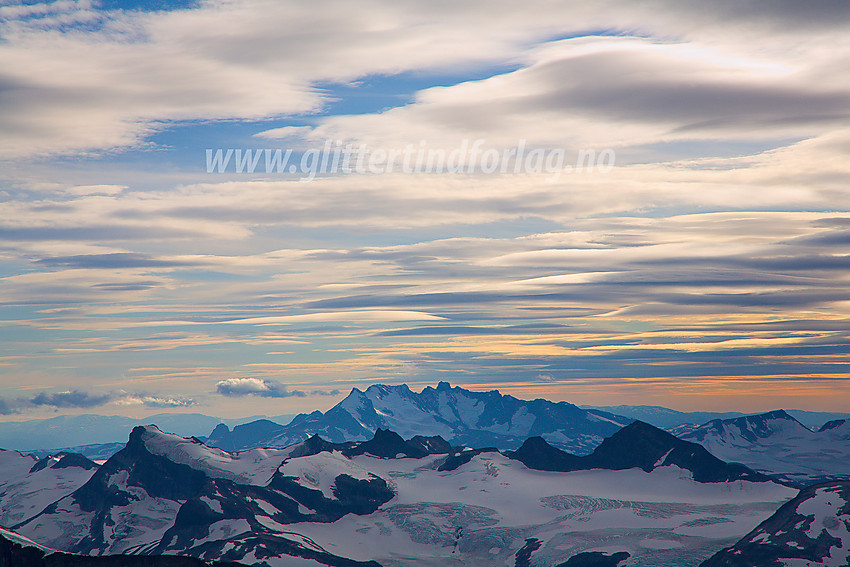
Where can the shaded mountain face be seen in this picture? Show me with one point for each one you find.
(778, 444)
(459, 416)
(638, 445)
(28, 485)
(840, 426)
(16, 552)
(387, 444)
(243, 435)
(813, 529)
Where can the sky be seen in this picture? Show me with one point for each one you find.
(675, 233)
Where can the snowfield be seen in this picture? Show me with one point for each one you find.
(482, 513)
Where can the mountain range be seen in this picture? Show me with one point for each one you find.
(392, 478)
(671, 420)
(776, 443)
(638, 445)
(462, 417)
(392, 501)
(772, 443)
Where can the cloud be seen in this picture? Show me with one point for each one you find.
(111, 261)
(70, 399)
(8, 409)
(334, 392)
(738, 110)
(79, 399)
(236, 387)
(199, 54)
(155, 401)
(611, 92)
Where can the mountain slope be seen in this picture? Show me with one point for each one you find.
(776, 443)
(461, 417)
(163, 493)
(27, 486)
(813, 530)
(638, 445)
(17, 551)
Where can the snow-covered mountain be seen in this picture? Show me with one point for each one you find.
(812, 530)
(462, 417)
(492, 510)
(28, 485)
(163, 493)
(665, 418)
(638, 445)
(674, 420)
(777, 443)
(394, 502)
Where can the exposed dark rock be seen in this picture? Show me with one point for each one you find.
(315, 445)
(595, 559)
(13, 554)
(75, 460)
(386, 444)
(266, 546)
(42, 464)
(458, 459)
(433, 445)
(536, 453)
(523, 556)
(832, 424)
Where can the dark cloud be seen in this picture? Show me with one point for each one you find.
(91, 233)
(110, 261)
(236, 387)
(70, 399)
(449, 330)
(333, 392)
(7, 409)
(135, 286)
(81, 399)
(831, 238)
